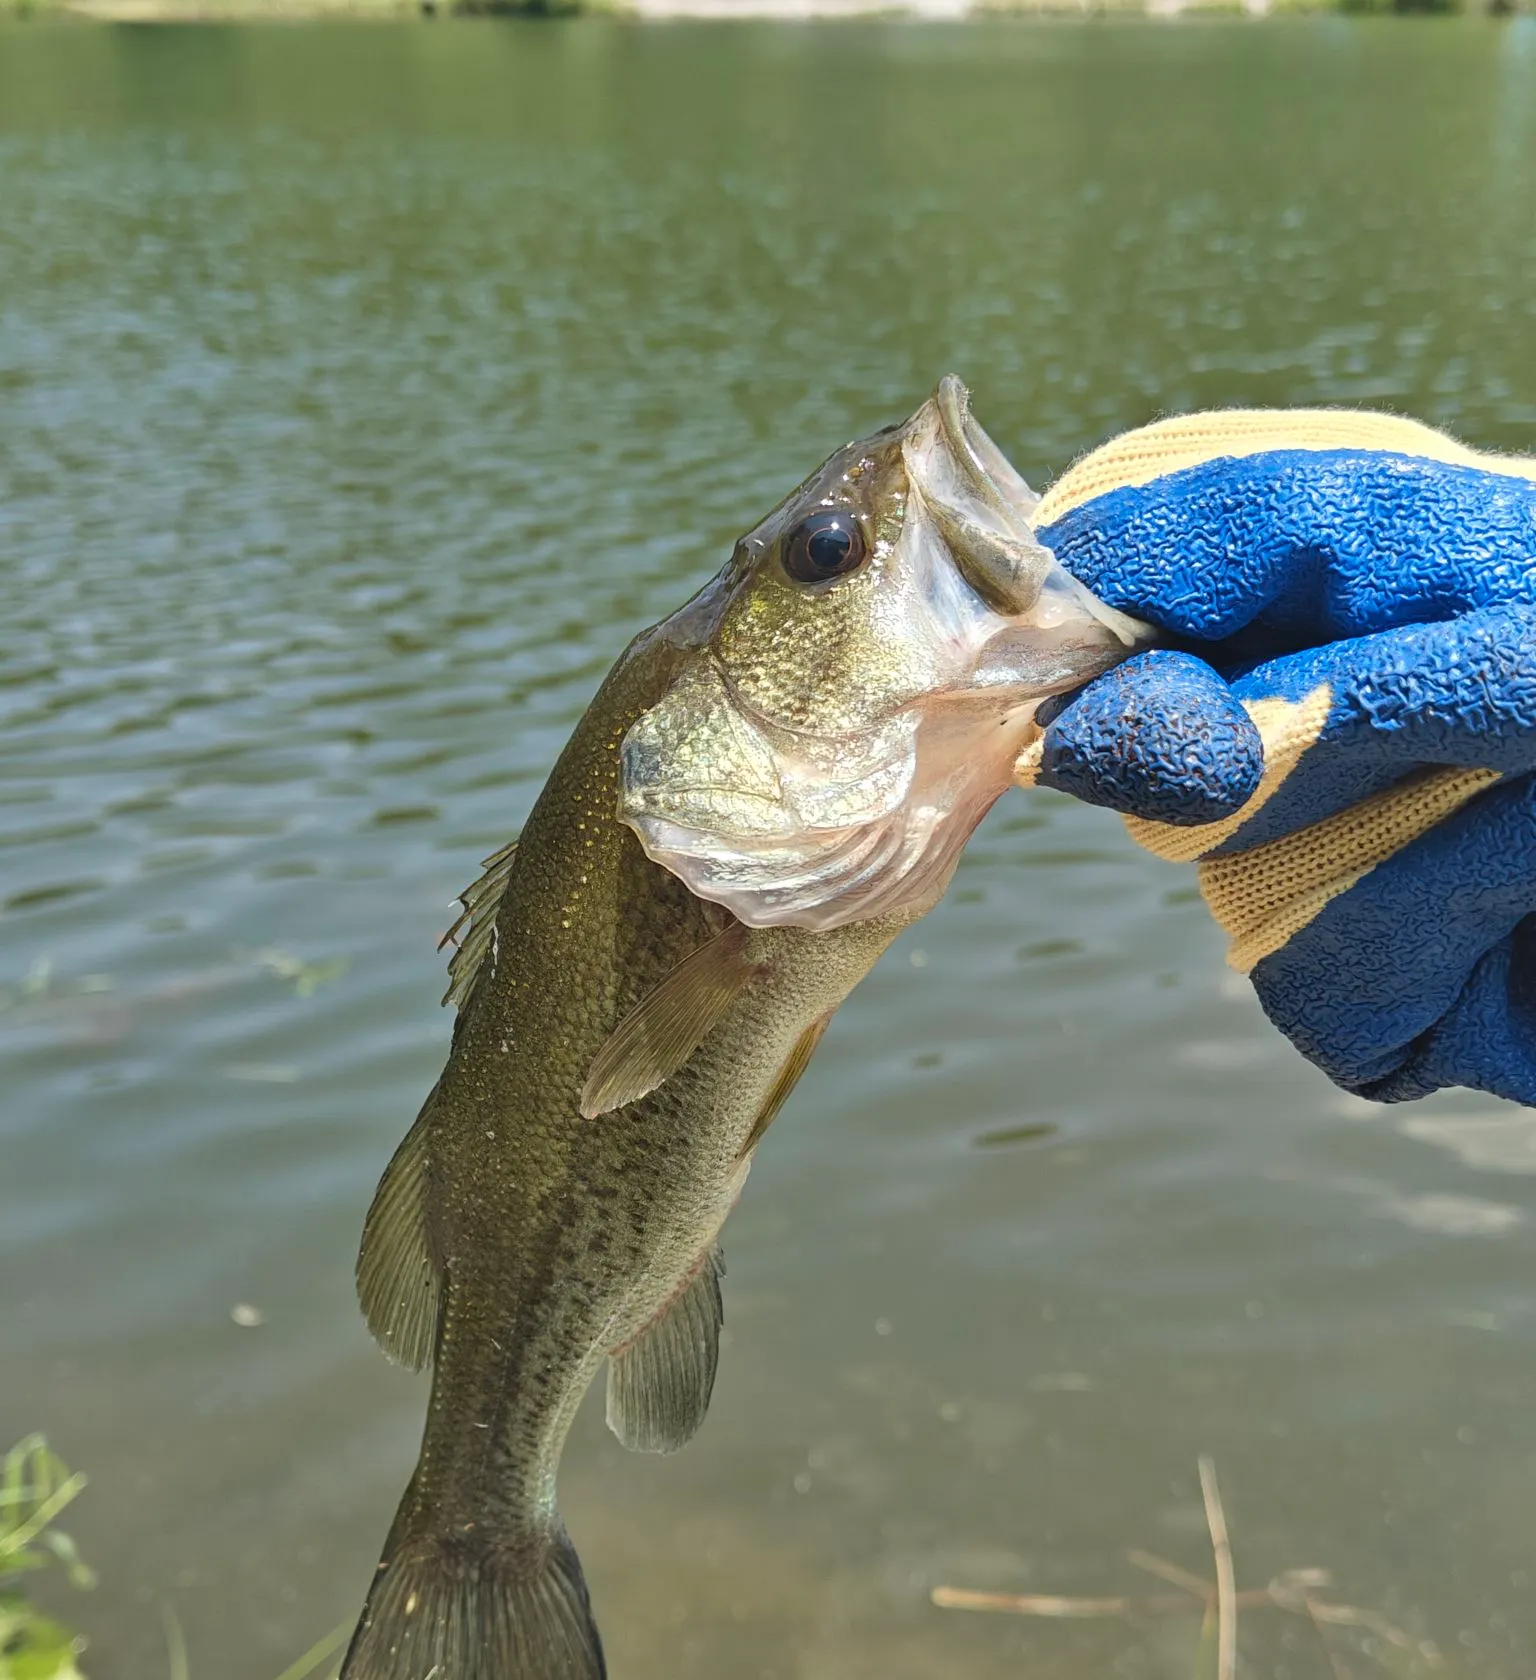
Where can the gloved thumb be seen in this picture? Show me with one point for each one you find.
(1161, 737)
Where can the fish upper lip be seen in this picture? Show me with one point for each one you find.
(953, 403)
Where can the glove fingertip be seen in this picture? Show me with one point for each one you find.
(1160, 737)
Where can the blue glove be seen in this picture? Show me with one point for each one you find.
(1345, 736)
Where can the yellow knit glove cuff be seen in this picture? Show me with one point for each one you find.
(1189, 440)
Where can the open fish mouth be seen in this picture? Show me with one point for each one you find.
(901, 731)
(985, 511)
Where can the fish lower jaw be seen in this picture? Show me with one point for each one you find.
(896, 864)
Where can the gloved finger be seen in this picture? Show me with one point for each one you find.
(1294, 547)
(1164, 738)
(1419, 975)
(1161, 737)
(1461, 695)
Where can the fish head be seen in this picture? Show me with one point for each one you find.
(854, 686)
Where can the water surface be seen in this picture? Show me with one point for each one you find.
(361, 392)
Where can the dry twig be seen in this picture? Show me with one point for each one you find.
(1055, 1607)
(1172, 1573)
(1295, 1591)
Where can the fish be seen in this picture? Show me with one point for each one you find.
(769, 786)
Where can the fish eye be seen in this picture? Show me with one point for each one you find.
(826, 544)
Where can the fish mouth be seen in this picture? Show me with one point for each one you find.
(985, 512)
(989, 473)
(791, 826)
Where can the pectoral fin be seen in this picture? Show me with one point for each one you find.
(397, 1282)
(659, 1383)
(789, 1078)
(654, 1040)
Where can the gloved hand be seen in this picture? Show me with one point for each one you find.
(1344, 734)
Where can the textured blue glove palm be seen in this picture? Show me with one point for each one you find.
(1350, 755)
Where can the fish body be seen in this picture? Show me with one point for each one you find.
(642, 981)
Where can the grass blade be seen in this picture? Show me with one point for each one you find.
(1226, 1582)
(317, 1653)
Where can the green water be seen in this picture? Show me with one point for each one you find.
(361, 392)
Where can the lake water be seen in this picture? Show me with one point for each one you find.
(361, 392)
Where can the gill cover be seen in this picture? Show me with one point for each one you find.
(830, 743)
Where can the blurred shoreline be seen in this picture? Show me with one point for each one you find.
(298, 11)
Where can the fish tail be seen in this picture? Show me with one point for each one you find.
(475, 1606)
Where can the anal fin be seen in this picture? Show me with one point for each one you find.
(397, 1282)
(660, 1381)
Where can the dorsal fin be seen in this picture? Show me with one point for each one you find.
(663, 1030)
(477, 924)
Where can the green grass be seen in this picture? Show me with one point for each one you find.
(35, 1488)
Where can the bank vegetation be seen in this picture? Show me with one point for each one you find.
(291, 11)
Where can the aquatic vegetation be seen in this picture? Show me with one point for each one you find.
(305, 977)
(42, 984)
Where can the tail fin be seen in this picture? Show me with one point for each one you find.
(470, 1608)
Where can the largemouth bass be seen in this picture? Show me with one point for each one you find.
(768, 787)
